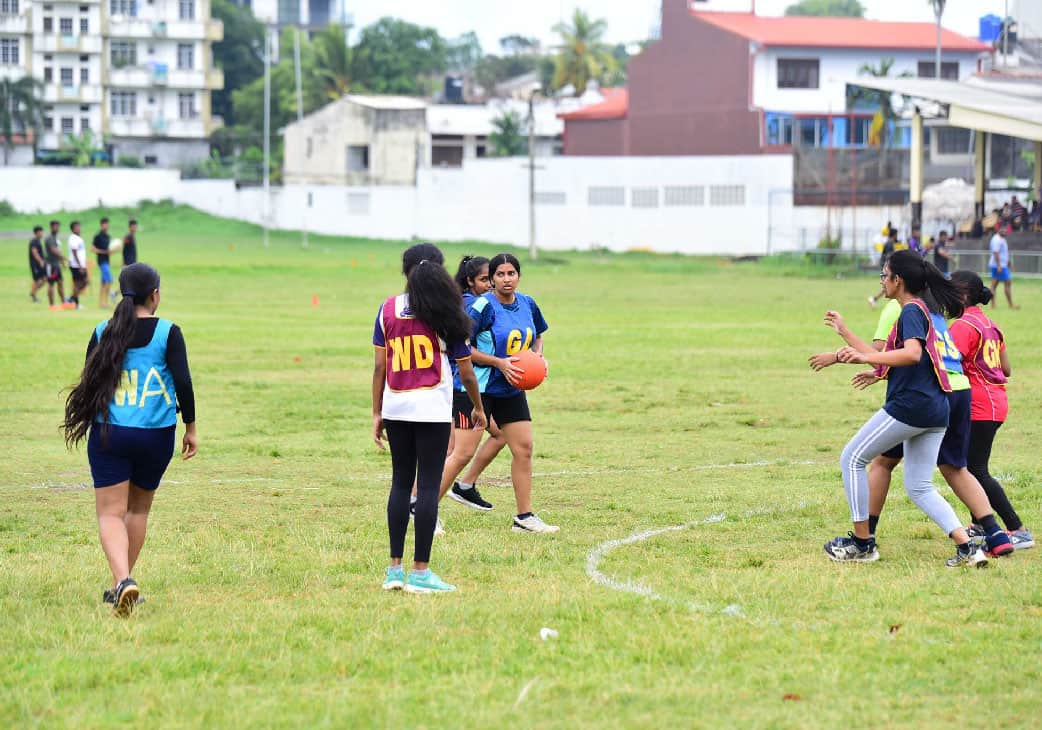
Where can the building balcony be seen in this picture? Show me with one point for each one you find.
(150, 126)
(73, 93)
(15, 24)
(57, 43)
(135, 77)
(124, 26)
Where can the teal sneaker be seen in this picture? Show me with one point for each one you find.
(395, 578)
(429, 583)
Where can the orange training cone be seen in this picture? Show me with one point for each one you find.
(314, 300)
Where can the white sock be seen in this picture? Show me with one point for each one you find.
(464, 486)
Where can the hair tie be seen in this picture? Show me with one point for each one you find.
(422, 262)
(128, 294)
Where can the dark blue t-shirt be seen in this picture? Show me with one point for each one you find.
(503, 330)
(913, 395)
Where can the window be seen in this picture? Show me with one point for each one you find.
(84, 59)
(65, 26)
(124, 53)
(186, 105)
(952, 140)
(357, 158)
(644, 197)
(551, 198)
(84, 124)
(813, 132)
(797, 73)
(48, 75)
(84, 26)
(186, 9)
(727, 195)
(8, 51)
(779, 130)
(8, 7)
(84, 108)
(48, 123)
(124, 104)
(185, 56)
(48, 25)
(685, 195)
(151, 160)
(949, 70)
(123, 7)
(66, 77)
(446, 156)
(84, 75)
(289, 11)
(606, 196)
(84, 8)
(859, 131)
(67, 127)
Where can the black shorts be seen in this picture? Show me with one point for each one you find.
(461, 410)
(956, 443)
(506, 410)
(139, 455)
(78, 275)
(38, 273)
(54, 272)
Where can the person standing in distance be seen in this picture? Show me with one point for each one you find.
(415, 335)
(1000, 270)
(55, 259)
(77, 263)
(37, 263)
(941, 255)
(135, 379)
(509, 322)
(888, 251)
(100, 246)
(130, 244)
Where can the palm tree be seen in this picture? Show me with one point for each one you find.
(508, 138)
(583, 56)
(885, 114)
(333, 61)
(20, 111)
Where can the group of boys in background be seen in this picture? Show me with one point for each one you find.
(46, 261)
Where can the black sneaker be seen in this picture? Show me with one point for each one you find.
(125, 597)
(469, 497)
(108, 596)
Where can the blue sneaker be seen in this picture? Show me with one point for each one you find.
(1022, 539)
(846, 550)
(429, 583)
(395, 579)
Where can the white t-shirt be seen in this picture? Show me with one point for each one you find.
(77, 252)
(999, 245)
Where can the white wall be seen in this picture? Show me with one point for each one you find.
(837, 66)
(33, 189)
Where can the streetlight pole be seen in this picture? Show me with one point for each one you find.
(533, 252)
(938, 11)
(267, 131)
(300, 120)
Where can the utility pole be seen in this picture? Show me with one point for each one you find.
(938, 10)
(533, 252)
(300, 120)
(1005, 33)
(267, 132)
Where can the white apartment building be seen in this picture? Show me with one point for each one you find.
(138, 73)
(311, 14)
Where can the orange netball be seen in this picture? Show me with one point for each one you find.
(534, 367)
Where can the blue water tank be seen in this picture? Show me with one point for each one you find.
(990, 28)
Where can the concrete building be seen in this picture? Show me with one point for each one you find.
(139, 73)
(310, 14)
(460, 132)
(357, 140)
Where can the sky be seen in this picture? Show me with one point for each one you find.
(628, 20)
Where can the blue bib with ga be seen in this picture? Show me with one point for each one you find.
(950, 354)
(145, 396)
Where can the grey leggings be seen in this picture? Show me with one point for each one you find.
(883, 432)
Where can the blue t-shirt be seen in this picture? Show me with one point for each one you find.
(503, 330)
(913, 395)
(482, 343)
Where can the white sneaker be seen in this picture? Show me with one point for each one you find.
(872, 302)
(532, 523)
(439, 529)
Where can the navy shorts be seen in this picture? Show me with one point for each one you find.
(503, 411)
(956, 443)
(139, 455)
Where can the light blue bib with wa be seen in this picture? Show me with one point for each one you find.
(145, 397)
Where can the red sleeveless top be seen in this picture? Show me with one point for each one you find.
(981, 343)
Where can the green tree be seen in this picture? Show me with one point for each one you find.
(490, 69)
(861, 96)
(85, 149)
(519, 45)
(508, 136)
(396, 57)
(583, 56)
(464, 52)
(20, 111)
(240, 54)
(334, 61)
(835, 8)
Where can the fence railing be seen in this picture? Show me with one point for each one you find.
(1025, 264)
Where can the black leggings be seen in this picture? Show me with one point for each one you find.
(982, 434)
(417, 453)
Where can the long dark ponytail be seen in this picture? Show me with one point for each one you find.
(89, 400)
(972, 287)
(469, 268)
(926, 281)
(434, 297)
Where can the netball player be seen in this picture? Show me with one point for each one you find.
(987, 365)
(135, 379)
(506, 322)
(915, 412)
(473, 280)
(415, 335)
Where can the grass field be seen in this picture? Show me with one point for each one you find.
(679, 392)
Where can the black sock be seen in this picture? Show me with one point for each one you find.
(862, 543)
(873, 520)
(524, 516)
(990, 525)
